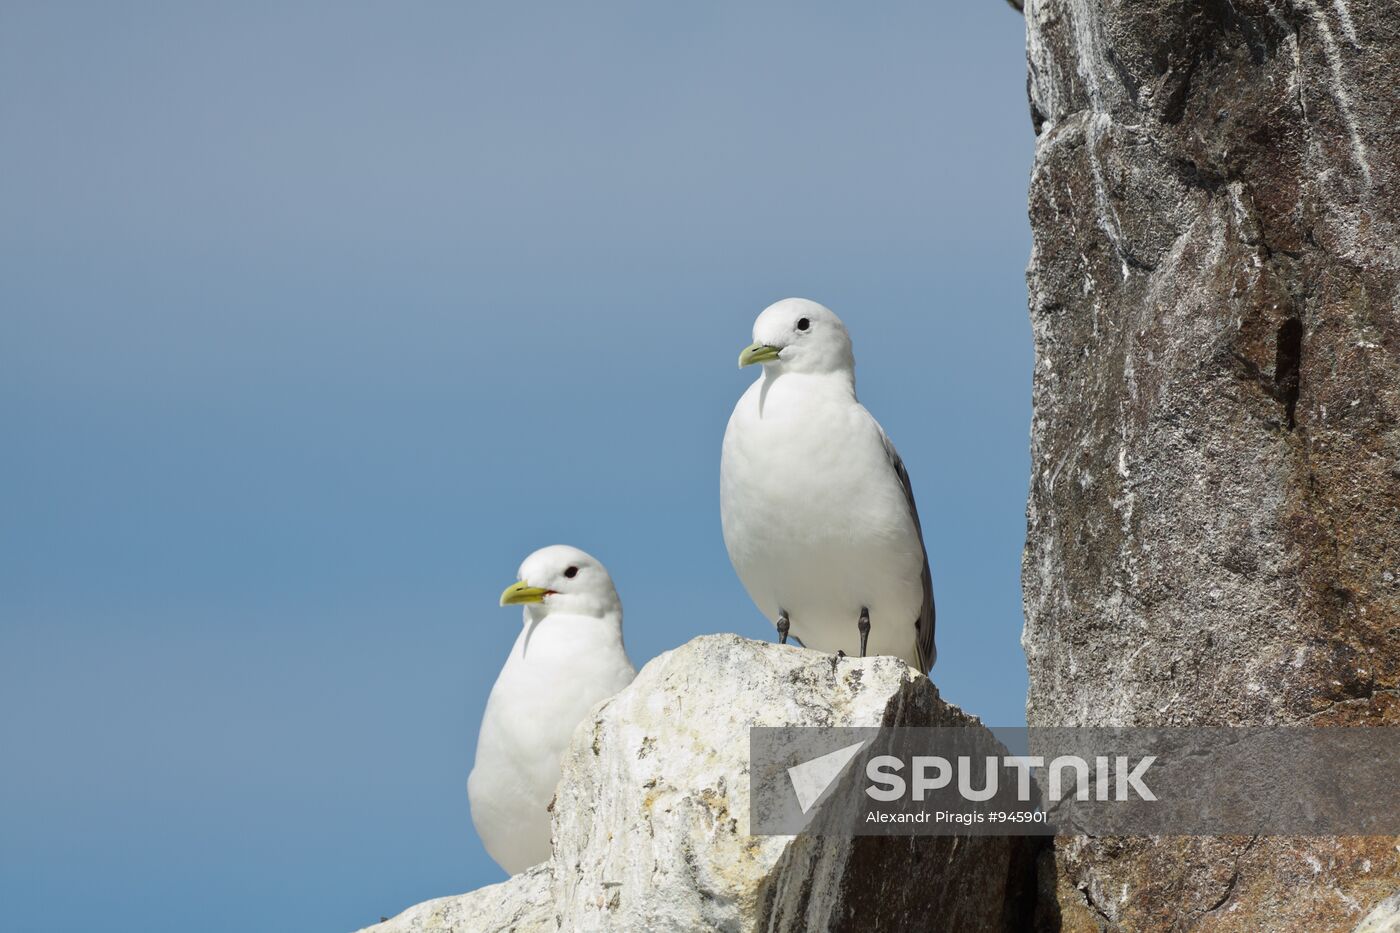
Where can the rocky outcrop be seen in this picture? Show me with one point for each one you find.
(1214, 515)
(651, 821)
(519, 905)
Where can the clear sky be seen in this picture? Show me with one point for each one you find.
(316, 318)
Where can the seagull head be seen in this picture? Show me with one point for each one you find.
(563, 579)
(801, 336)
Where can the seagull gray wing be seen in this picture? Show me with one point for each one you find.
(924, 624)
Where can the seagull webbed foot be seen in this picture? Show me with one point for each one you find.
(864, 626)
(783, 626)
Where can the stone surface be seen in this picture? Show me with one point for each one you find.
(1214, 515)
(520, 905)
(651, 822)
(1384, 919)
(651, 817)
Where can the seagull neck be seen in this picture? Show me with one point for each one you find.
(602, 619)
(840, 383)
(568, 631)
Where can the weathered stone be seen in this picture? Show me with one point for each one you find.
(1214, 516)
(651, 821)
(1384, 919)
(520, 905)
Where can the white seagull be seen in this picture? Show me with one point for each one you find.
(568, 657)
(818, 513)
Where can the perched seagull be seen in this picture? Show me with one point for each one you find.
(567, 658)
(818, 513)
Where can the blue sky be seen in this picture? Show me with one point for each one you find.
(318, 317)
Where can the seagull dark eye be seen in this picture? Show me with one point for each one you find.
(803, 323)
(571, 572)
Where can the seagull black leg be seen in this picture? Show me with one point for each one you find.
(783, 626)
(864, 626)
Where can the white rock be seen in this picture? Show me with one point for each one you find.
(520, 905)
(651, 816)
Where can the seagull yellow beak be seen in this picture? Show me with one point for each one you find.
(758, 353)
(518, 594)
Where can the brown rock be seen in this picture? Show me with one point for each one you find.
(1214, 516)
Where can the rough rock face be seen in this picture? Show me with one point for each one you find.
(1214, 516)
(520, 905)
(1384, 919)
(651, 818)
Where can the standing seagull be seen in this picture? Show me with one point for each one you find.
(818, 514)
(567, 658)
